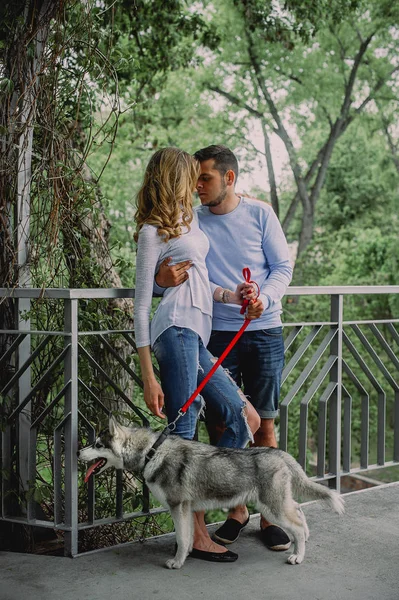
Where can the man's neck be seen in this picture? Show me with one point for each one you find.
(227, 205)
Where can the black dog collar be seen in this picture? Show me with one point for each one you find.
(160, 440)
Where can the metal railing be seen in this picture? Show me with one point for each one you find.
(339, 410)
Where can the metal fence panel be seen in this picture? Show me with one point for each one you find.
(335, 369)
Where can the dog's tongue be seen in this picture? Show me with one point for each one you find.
(91, 469)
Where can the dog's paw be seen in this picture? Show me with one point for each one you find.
(172, 563)
(294, 559)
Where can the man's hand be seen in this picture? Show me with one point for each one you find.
(255, 309)
(154, 397)
(172, 275)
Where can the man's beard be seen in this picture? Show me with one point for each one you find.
(219, 199)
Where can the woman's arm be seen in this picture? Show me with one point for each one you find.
(243, 290)
(153, 394)
(174, 275)
(148, 252)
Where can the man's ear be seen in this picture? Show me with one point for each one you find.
(230, 177)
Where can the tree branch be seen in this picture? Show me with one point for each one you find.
(236, 101)
(391, 144)
(352, 77)
(339, 125)
(342, 53)
(295, 201)
(289, 76)
(380, 83)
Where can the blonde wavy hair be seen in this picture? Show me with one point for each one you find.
(165, 198)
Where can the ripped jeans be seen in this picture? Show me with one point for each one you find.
(184, 362)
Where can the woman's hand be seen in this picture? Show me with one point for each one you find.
(154, 397)
(153, 394)
(244, 291)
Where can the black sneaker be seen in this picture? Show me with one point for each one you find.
(229, 531)
(275, 538)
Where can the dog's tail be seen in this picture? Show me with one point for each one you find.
(306, 488)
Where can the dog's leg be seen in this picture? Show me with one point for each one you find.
(191, 523)
(277, 505)
(298, 533)
(295, 524)
(182, 519)
(291, 521)
(303, 519)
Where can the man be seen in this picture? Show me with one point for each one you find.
(242, 232)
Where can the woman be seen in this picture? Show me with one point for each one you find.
(180, 329)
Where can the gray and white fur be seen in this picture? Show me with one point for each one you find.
(187, 476)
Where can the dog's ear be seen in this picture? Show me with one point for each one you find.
(114, 428)
(118, 432)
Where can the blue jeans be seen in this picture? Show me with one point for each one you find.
(184, 362)
(257, 362)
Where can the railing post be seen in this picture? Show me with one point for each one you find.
(336, 399)
(71, 428)
(23, 306)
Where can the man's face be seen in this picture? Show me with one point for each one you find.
(211, 185)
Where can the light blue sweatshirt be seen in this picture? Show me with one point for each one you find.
(249, 236)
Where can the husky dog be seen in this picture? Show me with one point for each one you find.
(187, 476)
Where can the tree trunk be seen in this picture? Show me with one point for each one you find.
(270, 171)
(393, 147)
(307, 228)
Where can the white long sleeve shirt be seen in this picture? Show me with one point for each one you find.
(188, 305)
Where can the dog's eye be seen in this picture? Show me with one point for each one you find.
(99, 445)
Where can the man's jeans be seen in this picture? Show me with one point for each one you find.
(257, 361)
(184, 362)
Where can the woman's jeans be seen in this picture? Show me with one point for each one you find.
(184, 362)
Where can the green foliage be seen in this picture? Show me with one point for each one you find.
(357, 228)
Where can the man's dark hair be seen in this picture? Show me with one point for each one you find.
(224, 158)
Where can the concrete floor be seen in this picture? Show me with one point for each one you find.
(352, 557)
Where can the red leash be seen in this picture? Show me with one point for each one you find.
(247, 276)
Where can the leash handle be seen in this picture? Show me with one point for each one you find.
(247, 276)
